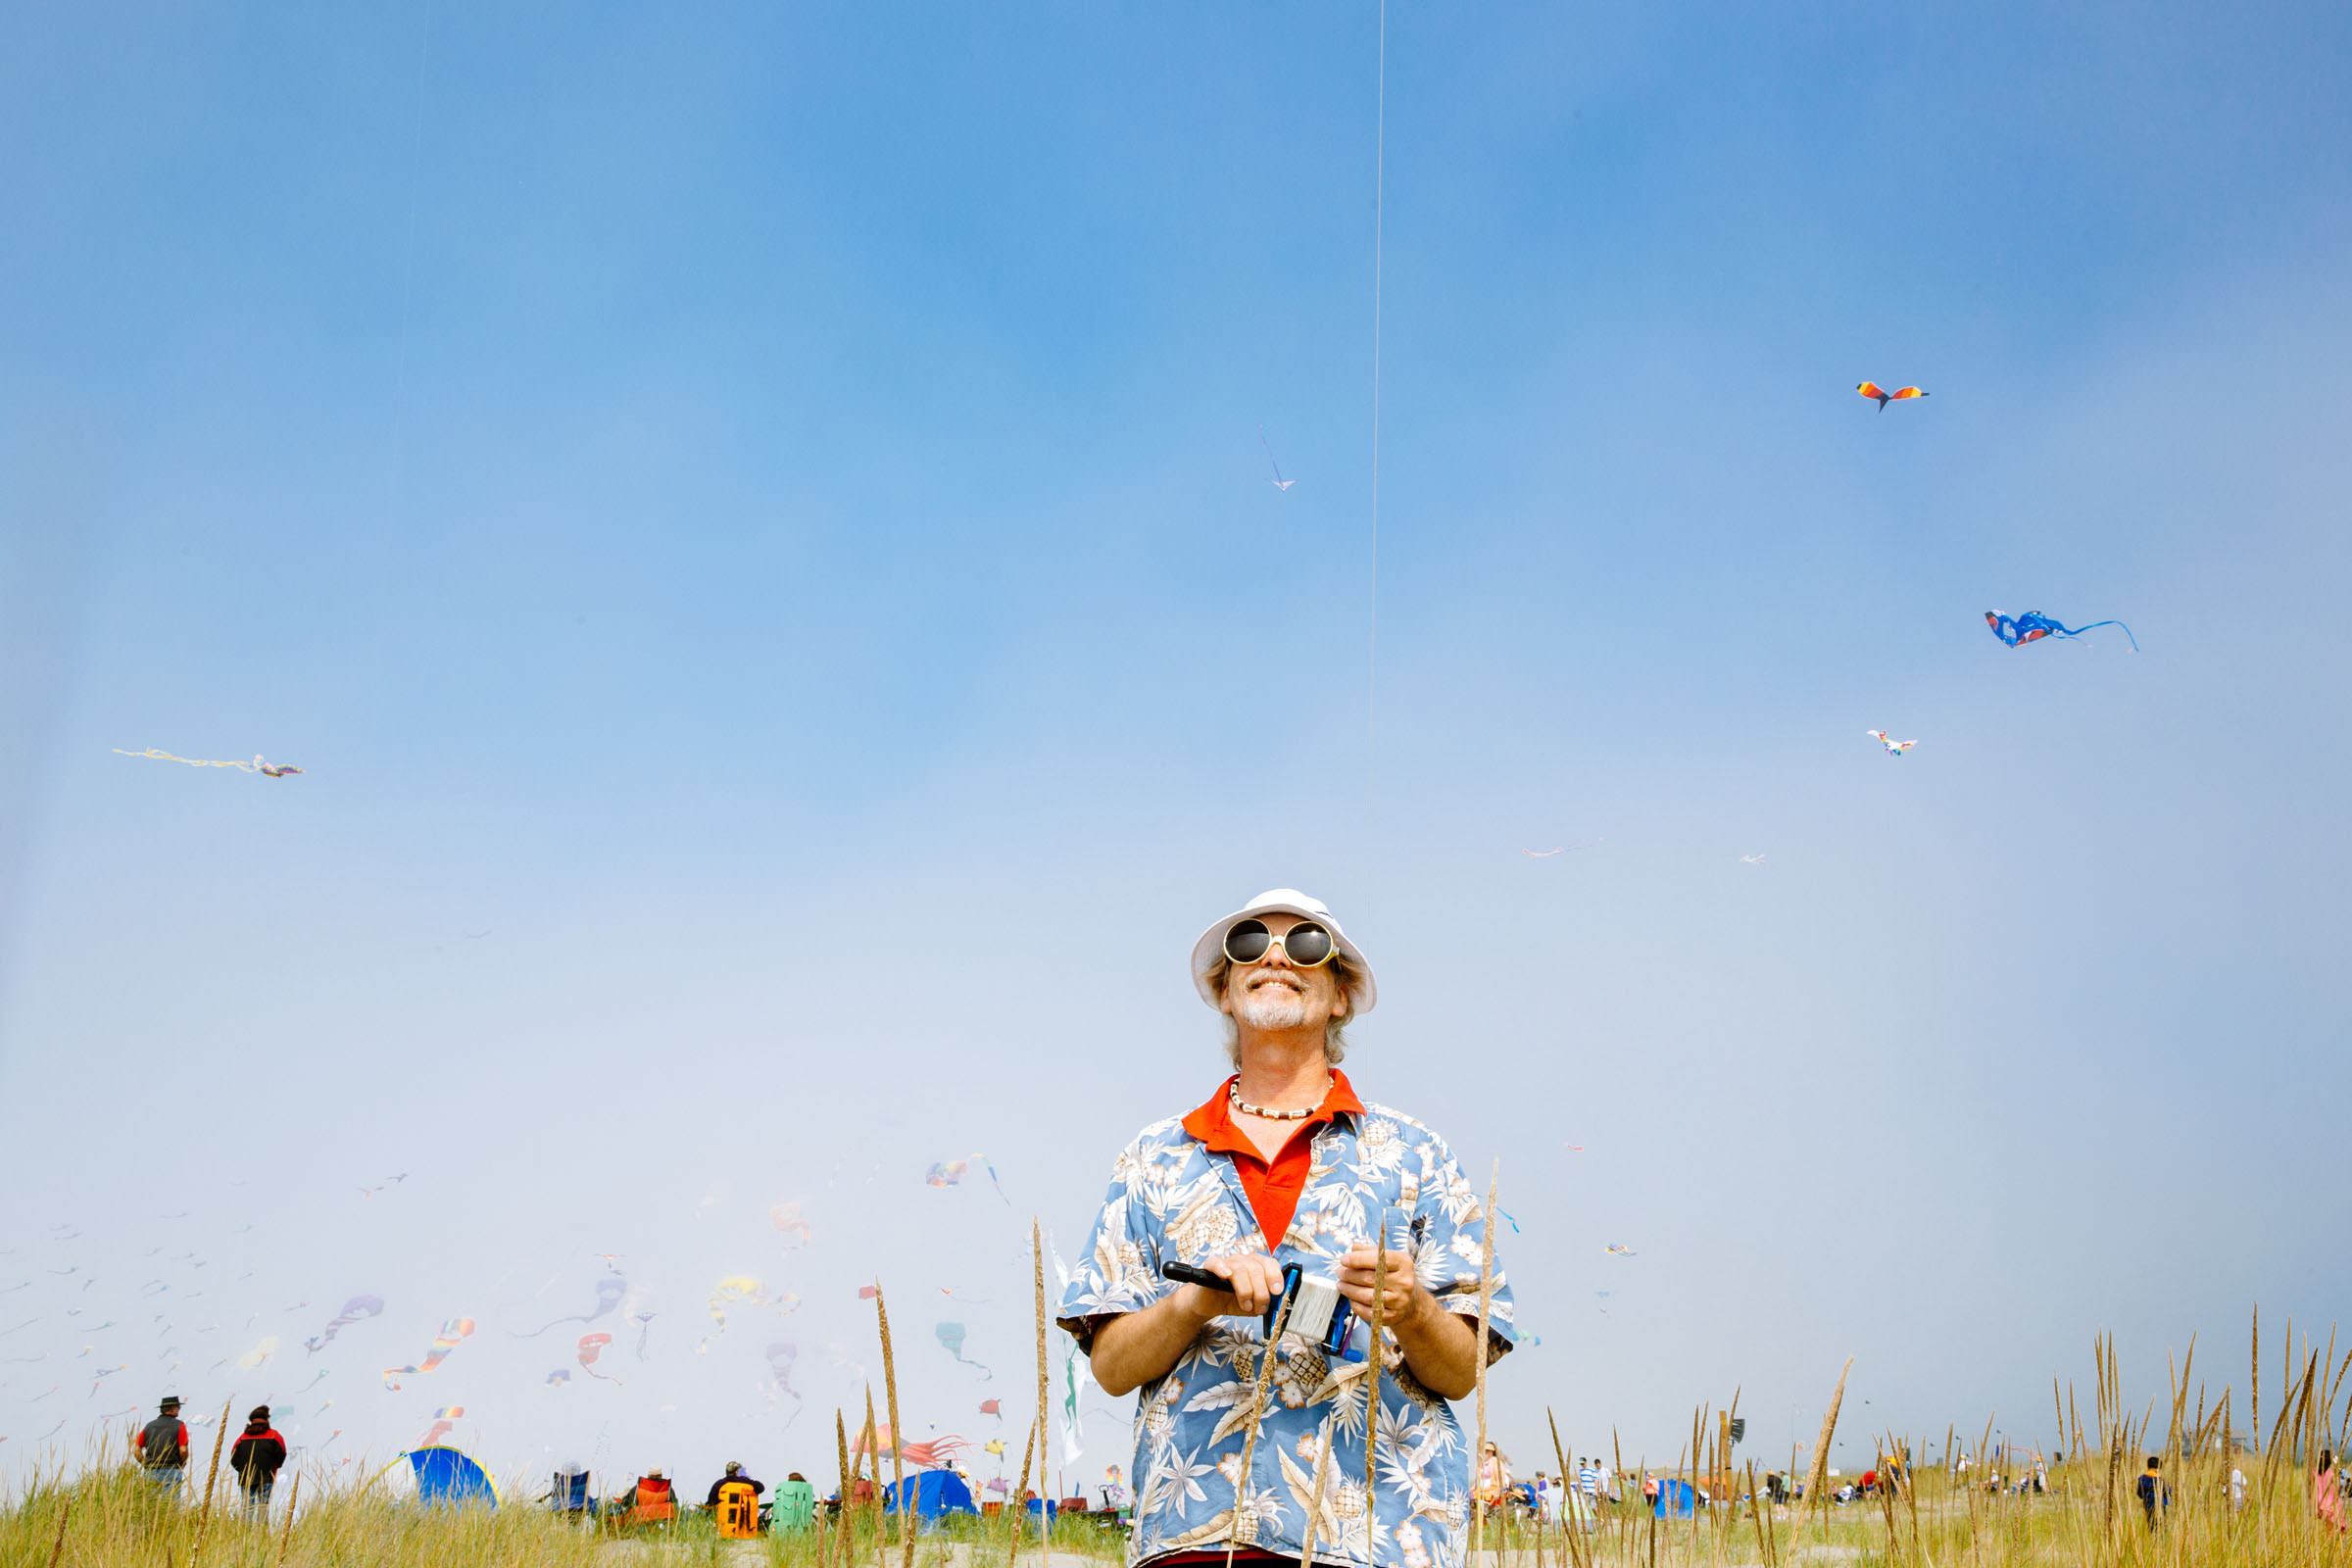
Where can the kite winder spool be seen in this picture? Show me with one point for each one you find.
(1319, 1315)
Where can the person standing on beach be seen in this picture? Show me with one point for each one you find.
(162, 1446)
(257, 1458)
(2328, 1492)
(1285, 1165)
(2154, 1495)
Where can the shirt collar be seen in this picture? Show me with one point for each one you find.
(1213, 1124)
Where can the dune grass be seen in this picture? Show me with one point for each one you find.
(106, 1515)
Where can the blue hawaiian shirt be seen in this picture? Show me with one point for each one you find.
(1170, 1199)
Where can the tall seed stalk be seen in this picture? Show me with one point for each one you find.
(898, 1459)
(1045, 1420)
(204, 1518)
(1485, 1305)
(1257, 1409)
(1314, 1507)
(1817, 1474)
(1380, 1300)
(286, 1536)
(1018, 1504)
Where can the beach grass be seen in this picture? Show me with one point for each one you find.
(2233, 1500)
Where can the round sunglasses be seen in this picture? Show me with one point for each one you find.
(1306, 943)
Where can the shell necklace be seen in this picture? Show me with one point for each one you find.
(1234, 1094)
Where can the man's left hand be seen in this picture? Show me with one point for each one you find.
(1406, 1298)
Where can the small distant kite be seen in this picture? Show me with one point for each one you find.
(1544, 854)
(951, 1173)
(445, 1421)
(780, 1358)
(1574, 1149)
(740, 1288)
(2033, 626)
(993, 1407)
(1619, 1249)
(559, 1375)
(257, 765)
(258, 1355)
(609, 1294)
(951, 1338)
(645, 1323)
(867, 1292)
(1752, 859)
(786, 1218)
(938, 1450)
(1894, 748)
(1901, 394)
(994, 1446)
(1278, 481)
(358, 1307)
(592, 1345)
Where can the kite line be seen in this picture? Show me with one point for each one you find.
(1380, 175)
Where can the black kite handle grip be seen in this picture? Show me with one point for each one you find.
(1193, 1274)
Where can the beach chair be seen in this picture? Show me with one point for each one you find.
(795, 1505)
(656, 1504)
(569, 1494)
(737, 1511)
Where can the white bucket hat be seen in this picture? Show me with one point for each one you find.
(1283, 901)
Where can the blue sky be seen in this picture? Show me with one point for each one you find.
(754, 521)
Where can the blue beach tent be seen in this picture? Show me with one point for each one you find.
(446, 1476)
(935, 1493)
(1676, 1499)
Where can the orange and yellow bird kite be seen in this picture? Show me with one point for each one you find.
(1872, 389)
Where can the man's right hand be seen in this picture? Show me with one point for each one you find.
(1254, 1282)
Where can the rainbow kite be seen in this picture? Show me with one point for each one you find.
(1901, 394)
(454, 1333)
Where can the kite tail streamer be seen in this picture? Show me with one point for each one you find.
(2096, 624)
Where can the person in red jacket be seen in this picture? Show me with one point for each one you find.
(256, 1460)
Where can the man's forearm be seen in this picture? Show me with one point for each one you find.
(1440, 1348)
(1135, 1347)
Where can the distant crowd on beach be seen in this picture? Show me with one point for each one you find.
(739, 1502)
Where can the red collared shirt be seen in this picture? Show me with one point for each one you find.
(1273, 1186)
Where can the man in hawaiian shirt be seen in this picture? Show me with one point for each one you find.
(1285, 1149)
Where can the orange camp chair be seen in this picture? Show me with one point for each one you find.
(738, 1511)
(656, 1504)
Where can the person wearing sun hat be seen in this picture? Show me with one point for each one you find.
(161, 1446)
(1285, 1165)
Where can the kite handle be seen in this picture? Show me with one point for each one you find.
(1194, 1274)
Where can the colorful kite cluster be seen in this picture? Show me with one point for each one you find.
(951, 1173)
